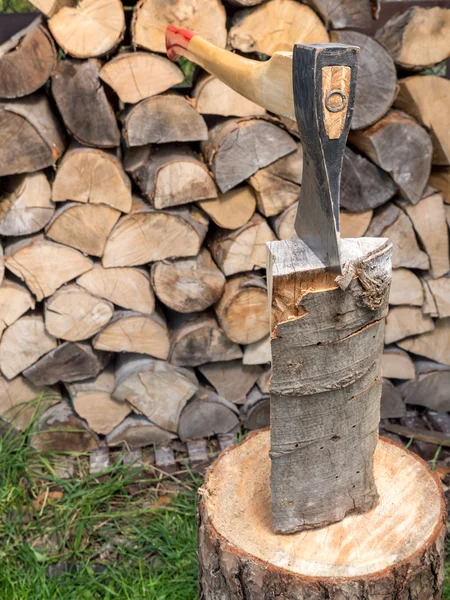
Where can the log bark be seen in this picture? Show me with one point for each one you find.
(27, 60)
(170, 175)
(243, 249)
(92, 175)
(405, 321)
(417, 38)
(137, 432)
(347, 14)
(15, 301)
(90, 28)
(327, 345)
(434, 345)
(440, 179)
(21, 403)
(400, 146)
(237, 148)
(256, 410)
(275, 27)
(135, 76)
(231, 210)
(242, 311)
(396, 364)
(258, 353)
(188, 284)
(147, 235)
(232, 379)
(154, 388)
(213, 97)
(240, 555)
(44, 266)
(354, 225)
(406, 288)
(126, 287)
(36, 137)
(75, 87)
(25, 205)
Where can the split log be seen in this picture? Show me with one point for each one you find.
(258, 353)
(347, 14)
(73, 314)
(264, 380)
(93, 402)
(284, 223)
(430, 390)
(275, 27)
(82, 102)
(45, 266)
(188, 284)
(207, 414)
(92, 175)
(90, 28)
(197, 340)
(126, 287)
(240, 554)
(243, 249)
(400, 146)
(27, 60)
(392, 405)
(21, 403)
(163, 119)
(213, 97)
(23, 343)
(154, 388)
(231, 210)
(151, 18)
(2, 264)
(60, 430)
(354, 225)
(137, 432)
(256, 410)
(417, 38)
(36, 138)
(397, 364)
(440, 288)
(376, 86)
(434, 345)
(440, 180)
(237, 148)
(278, 185)
(363, 185)
(406, 288)
(138, 75)
(68, 362)
(242, 311)
(25, 205)
(426, 98)
(429, 305)
(147, 235)
(404, 321)
(15, 301)
(50, 7)
(232, 379)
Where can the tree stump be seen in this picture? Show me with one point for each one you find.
(394, 551)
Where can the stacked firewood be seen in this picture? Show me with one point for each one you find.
(136, 201)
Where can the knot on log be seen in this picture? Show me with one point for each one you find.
(373, 282)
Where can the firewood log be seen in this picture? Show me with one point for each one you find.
(60, 430)
(135, 76)
(376, 86)
(392, 405)
(73, 314)
(130, 331)
(147, 235)
(264, 380)
(231, 210)
(276, 26)
(232, 379)
(258, 353)
(188, 284)
(92, 401)
(154, 388)
(163, 119)
(21, 402)
(207, 414)
(256, 410)
(440, 288)
(237, 148)
(85, 227)
(354, 225)
(283, 224)
(243, 249)
(23, 343)
(198, 339)
(430, 388)
(213, 97)
(2, 264)
(243, 311)
(127, 287)
(417, 38)
(405, 321)
(278, 185)
(25, 205)
(440, 179)
(43, 265)
(400, 146)
(50, 7)
(151, 18)
(346, 14)
(136, 432)
(434, 345)
(90, 28)
(170, 175)
(429, 304)
(82, 102)
(244, 3)
(36, 138)
(27, 60)
(92, 175)
(406, 288)
(397, 364)
(15, 301)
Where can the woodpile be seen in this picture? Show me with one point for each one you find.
(136, 202)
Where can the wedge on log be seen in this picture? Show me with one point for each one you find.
(15, 301)
(231, 210)
(213, 97)
(207, 414)
(137, 432)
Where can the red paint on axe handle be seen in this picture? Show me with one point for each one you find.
(177, 38)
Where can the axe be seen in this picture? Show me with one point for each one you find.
(315, 84)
